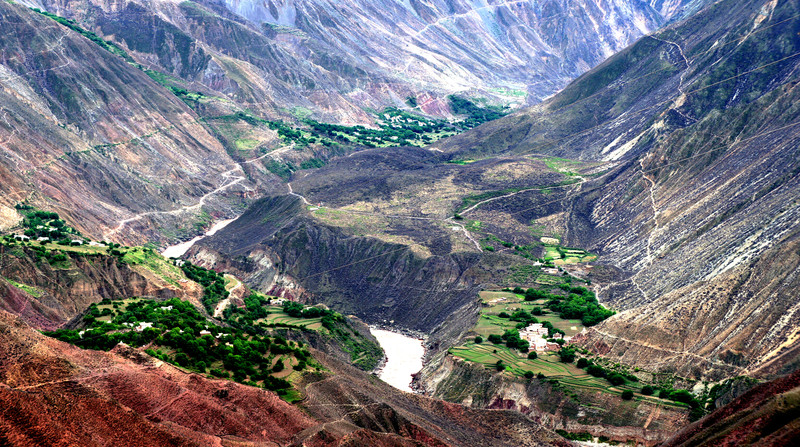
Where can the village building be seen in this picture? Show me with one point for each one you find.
(143, 325)
(535, 334)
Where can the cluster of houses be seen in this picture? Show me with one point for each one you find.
(24, 238)
(536, 335)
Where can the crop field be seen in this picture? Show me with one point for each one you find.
(548, 279)
(278, 316)
(560, 255)
(547, 364)
(495, 302)
(567, 374)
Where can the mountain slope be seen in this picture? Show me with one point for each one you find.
(55, 393)
(459, 45)
(336, 60)
(700, 212)
(764, 416)
(96, 139)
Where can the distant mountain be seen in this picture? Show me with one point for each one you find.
(336, 59)
(88, 135)
(145, 120)
(522, 47)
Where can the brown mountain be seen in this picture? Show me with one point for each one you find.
(767, 415)
(56, 394)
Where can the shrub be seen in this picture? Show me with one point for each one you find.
(681, 396)
(627, 395)
(566, 355)
(182, 359)
(529, 375)
(500, 366)
(596, 371)
(478, 339)
(647, 390)
(615, 379)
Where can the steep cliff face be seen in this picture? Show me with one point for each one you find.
(530, 47)
(364, 276)
(455, 380)
(48, 296)
(95, 139)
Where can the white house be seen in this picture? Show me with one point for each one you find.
(142, 326)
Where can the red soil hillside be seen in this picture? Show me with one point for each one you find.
(52, 393)
(767, 415)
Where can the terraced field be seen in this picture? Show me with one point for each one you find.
(495, 302)
(547, 364)
(562, 255)
(279, 317)
(567, 374)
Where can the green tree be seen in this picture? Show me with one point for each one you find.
(615, 379)
(566, 355)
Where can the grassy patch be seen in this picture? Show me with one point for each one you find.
(30, 290)
(151, 260)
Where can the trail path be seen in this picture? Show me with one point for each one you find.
(235, 180)
(222, 305)
(491, 199)
(291, 192)
(466, 233)
(672, 351)
(229, 180)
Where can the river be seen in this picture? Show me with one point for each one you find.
(403, 358)
(178, 250)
